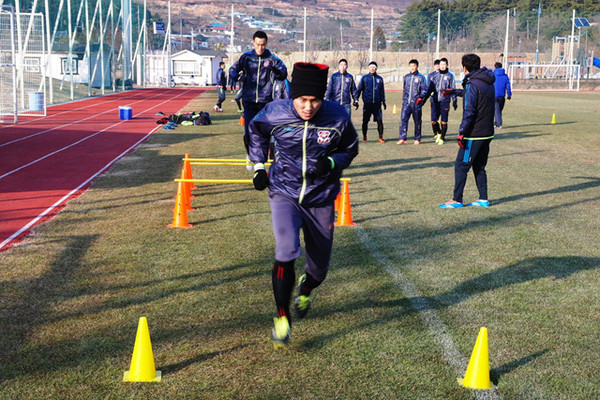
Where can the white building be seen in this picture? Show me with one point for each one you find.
(198, 66)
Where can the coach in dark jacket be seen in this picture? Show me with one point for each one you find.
(260, 69)
(476, 130)
(314, 141)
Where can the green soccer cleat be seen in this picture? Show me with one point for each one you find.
(281, 332)
(302, 302)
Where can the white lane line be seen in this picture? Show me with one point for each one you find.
(77, 142)
(430, 318)
(72, 192)
(29, 121)
(76, 122)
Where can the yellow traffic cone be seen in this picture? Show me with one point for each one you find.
(478, 370)
(553, 119)
(142, 361)
(395, 110)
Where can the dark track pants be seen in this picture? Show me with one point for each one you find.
(250, 111)
(317, 225)
(499, 106)
(417, 114)
(475, 154)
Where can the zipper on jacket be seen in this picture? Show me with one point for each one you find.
(373, 99)
(258, 77)
(410, 89)
(342, 90)
(303, 190)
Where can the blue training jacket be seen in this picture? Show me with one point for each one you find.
(478, 106)
(341, 89)
(415, 86)
(438, 82)
(502, 83)
(259, 74)
(221, 77)
(299, 145)
(372, 88)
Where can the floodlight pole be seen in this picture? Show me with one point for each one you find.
(571, 58)
(304, 41)
(537, 37)
(437, 45)
(371, 41)
(505, 58)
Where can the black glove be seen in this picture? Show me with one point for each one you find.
(355, 104)
(460, 141)
(323, 166)
(508, 98)
(420, 101)
(454, 104)
(384, 105)
(448, 92)
(261, 179)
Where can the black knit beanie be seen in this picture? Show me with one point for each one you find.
(309, 80)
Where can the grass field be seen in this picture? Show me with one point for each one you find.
(407, 292)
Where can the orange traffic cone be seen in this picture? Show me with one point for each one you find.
(336, 203)
(188, 172)
(345, 213)
(180, 219)
(242, 122)
(187, 194)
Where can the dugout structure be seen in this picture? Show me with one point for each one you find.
(23, 60)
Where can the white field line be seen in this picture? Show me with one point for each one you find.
(29, 121)
(77, 142)
(430, 318)
(72, 192)
(75, 122)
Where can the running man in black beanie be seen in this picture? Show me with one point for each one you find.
(314, 142)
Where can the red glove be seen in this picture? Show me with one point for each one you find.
(419, 101)
(448, 92)
(460, 141)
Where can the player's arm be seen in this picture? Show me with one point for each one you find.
(470, 110)
(347, 148)
(329, 92)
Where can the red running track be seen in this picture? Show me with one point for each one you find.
(44, 162)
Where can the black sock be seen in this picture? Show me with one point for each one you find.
(309, 284)
(283, 277)
(365, 126)
(380, 129)
(444, 130)
(237, 101)
(436, 127)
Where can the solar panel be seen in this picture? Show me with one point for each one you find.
(582, 23)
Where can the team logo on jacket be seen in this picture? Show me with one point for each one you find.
(347, 80)
(266, 64)
(324, 137)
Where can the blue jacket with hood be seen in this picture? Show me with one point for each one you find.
(299, 144)
(259, 72)
(502, 83)
(478, 105)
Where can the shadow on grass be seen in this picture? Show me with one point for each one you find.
(518, 135)
(496, 373)
(592, 182)
(547, 124)
(171, 368)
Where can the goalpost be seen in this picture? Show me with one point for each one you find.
(545, 76)
(23, 59)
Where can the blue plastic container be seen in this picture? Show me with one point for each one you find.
(36, 101)
(125, 112)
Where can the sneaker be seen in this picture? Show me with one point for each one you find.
(281, 332)
(240, 111)
(499, 127)
(216, 108)
(440, 142)
(436, 137)
(249, 165)
(401, 141)
(365, 140)
(451, 204)
(220, 110)
(302, 302)
(381, 140)
(480, 203)
(417, 142)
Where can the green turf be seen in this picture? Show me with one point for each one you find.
(526, 268)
